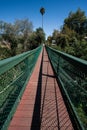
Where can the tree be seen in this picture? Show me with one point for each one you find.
(16, 33)
(9, 36)
(71, 38)
(40, 35)
(32, 41)
(36, 38)
(24, 29)
(55, 34)
(42, 11)
(75, 29)
(49, 40)
(76, 21)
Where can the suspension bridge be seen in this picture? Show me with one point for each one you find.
(43, 89)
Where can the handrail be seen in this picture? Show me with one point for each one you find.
(12, 61)
(72, 59)
(14, 75)
(71, 73)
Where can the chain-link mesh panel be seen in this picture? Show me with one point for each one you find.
(72, 74)
(14, 73)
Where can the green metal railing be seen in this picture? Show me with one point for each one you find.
(72, 76)
(14, 75)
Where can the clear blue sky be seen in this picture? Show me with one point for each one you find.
(56, 11)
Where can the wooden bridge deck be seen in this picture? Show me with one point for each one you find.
(41, 106)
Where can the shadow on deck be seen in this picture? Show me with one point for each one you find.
(50, 111)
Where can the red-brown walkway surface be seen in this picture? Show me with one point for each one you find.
(42, 106)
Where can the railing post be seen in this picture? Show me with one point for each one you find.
(58, 65)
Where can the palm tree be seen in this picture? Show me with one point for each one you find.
(42, 11)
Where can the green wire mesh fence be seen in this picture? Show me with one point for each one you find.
(14, 75)
(72, 76)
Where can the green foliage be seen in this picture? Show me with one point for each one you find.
(82, 115)
(36, 38)
(80, 49)
(62, 40)
(23, 29)
(16, 33)
(76, 21)
(55, 34)
(42, 10)
(40, 35)
(4, 53)
(56, 47)
(32, 41)
(49, 40)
